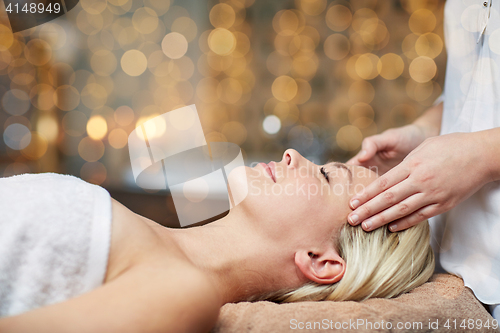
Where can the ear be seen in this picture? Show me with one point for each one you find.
(324, 268)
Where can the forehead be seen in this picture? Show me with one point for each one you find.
(356, 174)
(363, 175)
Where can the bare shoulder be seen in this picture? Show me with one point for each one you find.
(175, 286)
(132, 239)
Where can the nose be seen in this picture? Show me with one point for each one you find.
(292, 158)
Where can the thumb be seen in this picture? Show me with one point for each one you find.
(369, 148)
(354, 160)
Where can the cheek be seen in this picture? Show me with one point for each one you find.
(290, 201)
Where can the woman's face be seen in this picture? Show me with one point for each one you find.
(297, 198)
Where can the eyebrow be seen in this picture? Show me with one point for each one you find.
(342, 166)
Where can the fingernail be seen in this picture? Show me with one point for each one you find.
(361, 153)
(367, 224)
(354, 204)
(393, 227)
(354, 218)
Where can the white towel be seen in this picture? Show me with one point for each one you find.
(55, 235)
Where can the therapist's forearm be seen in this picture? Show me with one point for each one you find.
(430, 121)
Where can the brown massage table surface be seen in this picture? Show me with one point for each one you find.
(442, 300)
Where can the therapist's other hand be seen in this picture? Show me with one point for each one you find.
(386, 150)
(436, 176)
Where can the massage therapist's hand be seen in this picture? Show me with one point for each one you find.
(432, 179)
(386, 150)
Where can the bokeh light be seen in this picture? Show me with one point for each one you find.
(38, 52)
(48, 127)
(271, 124)
(429, 45)
(93, 172)
(118, 138)
(66, 97)
(16, 102)
(186, 27)
(74, 123)
(284, 88)
(390, 66)
(6, 38)
(336, 46)
(367, 66)
(90, 150)
(235, 132)
(17, 136)
(103, 62)
(422, 21)
(311, 7)
(221, 41)
(338, 18)
(222, 16)
(124, 115)
(94, 96)
(349, 138)
(97, 127)
(36, 148)
(422, 69)
(314, 75)
(134, 62)
(174, 45)
(145, 20)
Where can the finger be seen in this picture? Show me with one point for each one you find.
(389, 179)
(354, 160)
(377, 165)
(375, 161)
(415, 218)
(383, 203)
(368, 149)
(375, 144)
(400, 210)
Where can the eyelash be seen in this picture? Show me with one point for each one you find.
(324, 173)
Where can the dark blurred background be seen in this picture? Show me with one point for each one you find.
(314, 75)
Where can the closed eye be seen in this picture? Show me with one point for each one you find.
(324, 173)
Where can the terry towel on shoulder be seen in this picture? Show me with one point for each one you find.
(54, 239)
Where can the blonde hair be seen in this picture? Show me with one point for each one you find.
(379, 264)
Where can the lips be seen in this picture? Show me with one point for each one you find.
(270, 169)
(272, 166)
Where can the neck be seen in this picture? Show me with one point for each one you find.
(238, 261)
